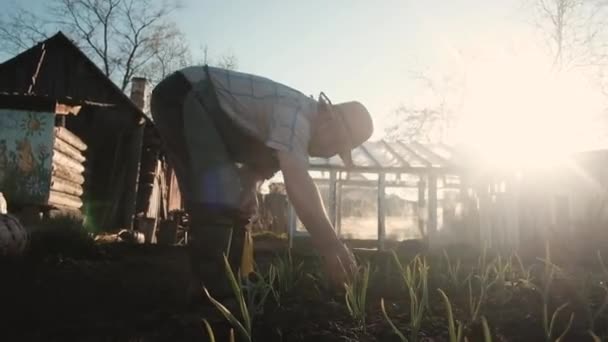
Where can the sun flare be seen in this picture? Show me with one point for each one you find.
(520, 112)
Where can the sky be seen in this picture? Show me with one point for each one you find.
(372, 51)
(351, 50)
(491, 52)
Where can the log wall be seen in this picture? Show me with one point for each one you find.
(67, 177)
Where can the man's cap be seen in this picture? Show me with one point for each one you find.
(358, 126)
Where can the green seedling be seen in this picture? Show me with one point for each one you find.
(585, 292)
(549, 332)
(244, 327)
(550, 271)
(209, 330)
(396, 330)
(587, 286)
(453, 271)
(454, 333)
(594, 337)
(257, 290)
(482, 260)
(415, 277)
(288, 275)
(485, 283)
(487, 335)
(503, 271)
(525, 273)
(356, 294)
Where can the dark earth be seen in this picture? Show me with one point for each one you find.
(125, 292)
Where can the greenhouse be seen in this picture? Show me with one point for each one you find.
(395, 191)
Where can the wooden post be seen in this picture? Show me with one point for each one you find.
(513, 213)
(432, 203)
(421, 206)
(485, 215)
(381, 212)
(339, 205)
(133, 175)
(332, 198)
(138, 93)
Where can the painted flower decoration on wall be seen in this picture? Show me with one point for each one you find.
(32, 125)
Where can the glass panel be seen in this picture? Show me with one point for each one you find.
(359, 213)
(407, 155)
(360, 158)
(450, 210)
(379, 151)
(324, 191)
(422, 151)
(401, 214)
(441, 150)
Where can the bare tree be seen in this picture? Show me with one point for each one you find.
(227, 60)
(413, 124)
(575, 30)
(170, 51)
(431, 121)
(124, 37)
(23, 30)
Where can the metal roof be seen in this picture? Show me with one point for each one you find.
(392, 156)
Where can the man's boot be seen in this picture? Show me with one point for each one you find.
(209, 242)
(241, 248)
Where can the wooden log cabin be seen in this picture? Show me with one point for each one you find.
(107, 160)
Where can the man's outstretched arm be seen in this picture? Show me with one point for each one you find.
(304, 196)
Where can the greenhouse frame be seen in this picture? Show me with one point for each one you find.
(424, 169)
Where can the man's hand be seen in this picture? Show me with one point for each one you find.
(339, 265)
(339, 262)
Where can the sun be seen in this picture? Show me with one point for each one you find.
(522, 113)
